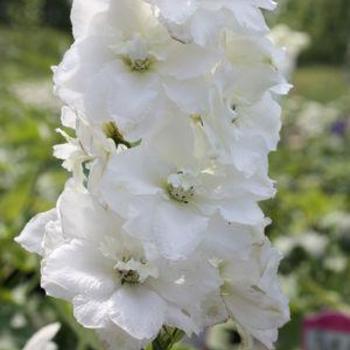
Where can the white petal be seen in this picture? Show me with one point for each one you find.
(173, 228)
(190, 95)
(187, 283)
(178, 319)
(253, 295)
(91, 313)
(266, 4)
(206, 25)
(223, 239)
(42, 339)
(248, 15)
(241, 210)
(137, 170)
(83, 12)
(131, 17)
(113, 338)
(188, 61)
(178, 154)
(77, 72)
(129, 94)
(31, 238)
(82, 216)
(177, 12)
(68, 117)
(78, 268)
(138, 311)
(254, 309)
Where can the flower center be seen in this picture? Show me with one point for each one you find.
(129, 276)
(138, 65)
(180, 187)
(197, 119)
(133, 271)
(136, 55)
(111, 131)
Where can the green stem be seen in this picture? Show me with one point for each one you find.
(166, 339)
(329, 298)
(82, 345)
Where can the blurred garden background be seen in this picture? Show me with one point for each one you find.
(311, 212)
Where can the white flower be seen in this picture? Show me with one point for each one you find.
(236, 108)
(252, 293)
(87, 154)
(32, 236)
(42, 340)
(226, 241)
(167, 195)
(312, 242)
(240, 133)
(111, 279)
(118, 71)
(204, 20)
(251, 67)
(248, 266)
(293, 42)
(88, 151)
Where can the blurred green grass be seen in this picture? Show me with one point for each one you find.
(312, 174)
(28, 127)
(321, 83)
(29, 54)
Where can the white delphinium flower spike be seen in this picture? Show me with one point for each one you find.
(171, 110)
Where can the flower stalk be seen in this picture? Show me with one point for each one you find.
(167, 232)
(166, 339)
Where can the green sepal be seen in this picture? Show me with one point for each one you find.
(166, 339)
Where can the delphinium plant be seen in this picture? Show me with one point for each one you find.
(170, 111)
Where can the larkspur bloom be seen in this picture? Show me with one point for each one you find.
(89, 151)
(248, 267)
(167, 195)
(174, 110)
(203, 20)
(119, 71)
(255, 299)
(109, 276)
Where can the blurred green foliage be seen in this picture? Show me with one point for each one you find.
(321, 83)
(24, 13)
(327, 22)
(30, 178)
(311, 212)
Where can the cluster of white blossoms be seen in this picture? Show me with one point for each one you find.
(172, 104)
